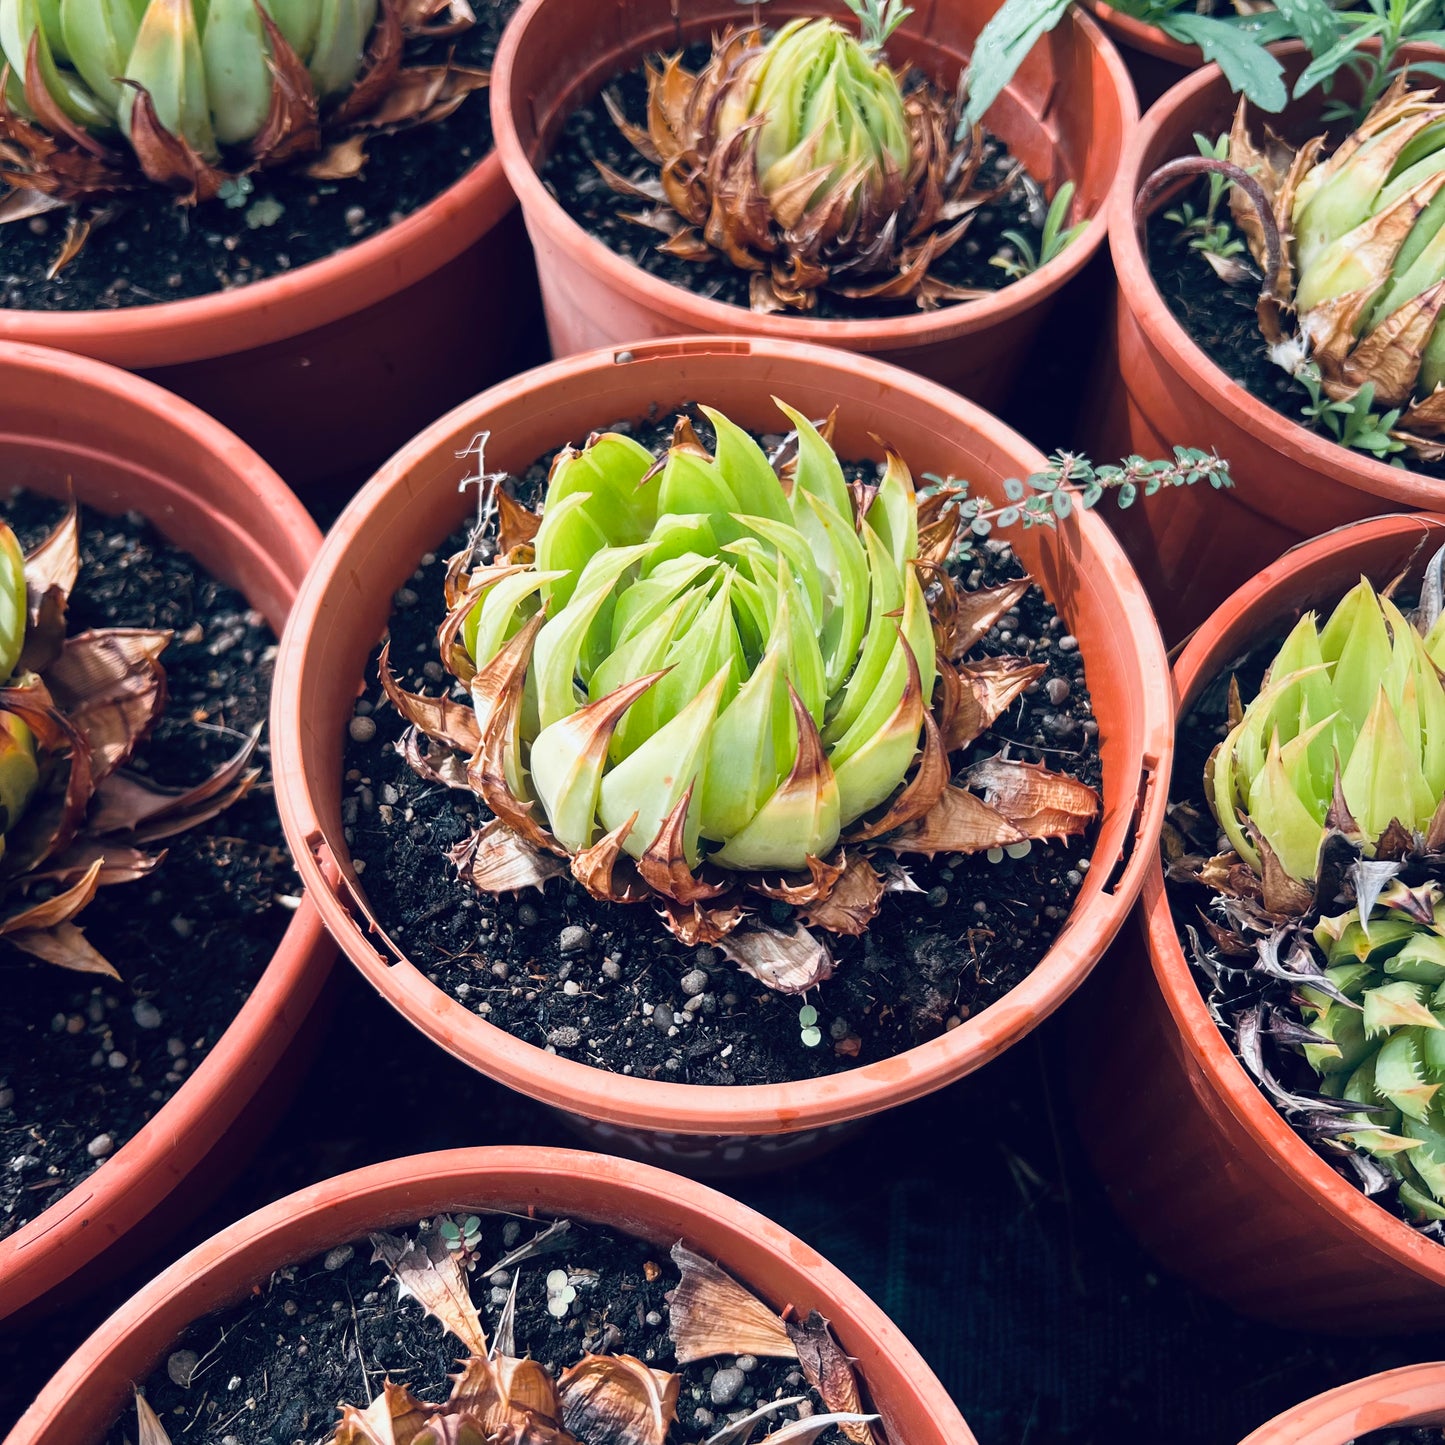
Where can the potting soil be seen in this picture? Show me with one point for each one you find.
(271, 1371)
(86, 1060)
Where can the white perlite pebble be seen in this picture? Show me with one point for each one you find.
(145, 1014)
(181, 1366)
(339, 1257)
(101, 1146)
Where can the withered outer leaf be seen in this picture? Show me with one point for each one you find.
(440, 718)
(395, 1417)
(819, 884)
(853, 902)
(830, 1372)
(618, 1400)
(712, 1314)
(59, 908)
(986, 690)
(663, 864)
(504, 1395)
(127, 804)
(431, 1274)
(111, 686)
(802, 1432)
(1039, 803)
(695, 923)
(739, 1431)
(595, 868)
(449, 771)
(50, 572)
(148, 1426)
(166, 159)
(64, 945)
(978, 611)
(786, 962)
(960, 822)
(497, 860)
(291, 128)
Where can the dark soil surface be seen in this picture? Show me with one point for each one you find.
(150, 249)
(589, 135)
(85, 1061)
(609, 986)
(1221, 320)
(272, 1370)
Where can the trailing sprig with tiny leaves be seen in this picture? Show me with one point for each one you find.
(1071, 480)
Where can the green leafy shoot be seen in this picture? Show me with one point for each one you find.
(811, 1035)
(1391, 23)
(877, 20)
(1352, 423)
(1011, 32)
(1052, 239)
(1202, 229)
(1071, 480)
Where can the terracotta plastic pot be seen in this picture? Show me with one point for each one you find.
(122, 444)
(413, 503)
(1411, 1396)
(1194, 1157)
(1155, 60)
(1066, 116)
(327, 369)
(1193, 547)
(84, 1398)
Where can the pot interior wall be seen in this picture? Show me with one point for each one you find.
(1047, 115)
(61, 434)
(418, 504)
(777, 1267)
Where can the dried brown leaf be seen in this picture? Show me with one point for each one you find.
(960, 822)
(986, 690)
(802, 1432)
(111, 686)
(496, 860)
(440, 718)
(830, 1372)
(59, 908)
(291, 127)
(395, 1417)
(852, 904)
(444, 767)
(618, 1400)
(711, 1314)
(148, 1427)
(978, 611)
(169, 160)
(64, 945)
(786, 962)
(796, 889)
(427, 1271)
(515, 524)
(697, 923)
(342, 160)
(1039, 803)
(596, 868)
(663, 864)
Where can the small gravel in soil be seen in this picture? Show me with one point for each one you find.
(272, 1371)
(1221, 320)
(85, 1062)
(631, 999)
(589, 135)
(149, 249)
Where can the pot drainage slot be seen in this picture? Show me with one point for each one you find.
(1147, 778)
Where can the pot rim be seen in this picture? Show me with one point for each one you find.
(712, 1109)
(146, 1161)
(632, 1193)
(693, 313)
(1202, 1038)
(1411, 1395)
(198, 328)
(1188, 359)
(1140, 35)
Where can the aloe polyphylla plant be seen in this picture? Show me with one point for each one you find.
(804, 160)
(1353, 245)
(1330, 789)
(698, 683)
(103, 96)
(498, 1398)
(73, 710)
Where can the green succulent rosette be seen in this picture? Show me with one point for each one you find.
(700, 681)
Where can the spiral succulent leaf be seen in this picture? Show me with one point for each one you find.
(1363, 260)
(190, 83)
(697, 678)
(1350, 713)
(802, 160)
(1379, 1021)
